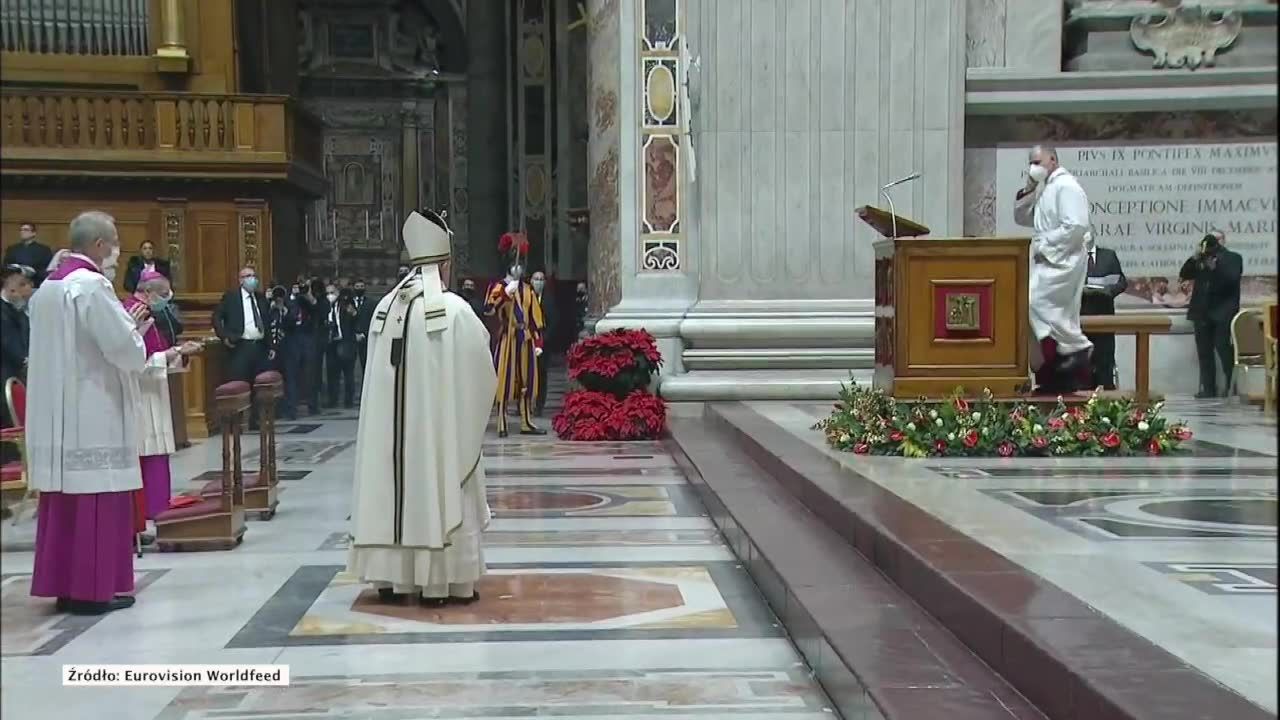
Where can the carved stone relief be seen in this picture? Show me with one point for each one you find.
(415, 39)
(1186, 36)
(363, 170)
(1103, 35)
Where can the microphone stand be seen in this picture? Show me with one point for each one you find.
(884, 192)
(893, 215)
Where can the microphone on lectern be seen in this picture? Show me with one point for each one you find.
(893, 215)
(907, 179)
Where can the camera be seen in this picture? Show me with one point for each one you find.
(1210, 245)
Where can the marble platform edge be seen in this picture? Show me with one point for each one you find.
(974, 592)
(876, 653)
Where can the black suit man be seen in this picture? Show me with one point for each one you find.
(1215, 300)
(30, 252)
(364, 319)
(1106, 282)
(15, 338)
(15, 329)
(550, 324)
(340, 353)
(240, 321)
(145, 259)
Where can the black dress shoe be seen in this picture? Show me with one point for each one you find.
(434, 602)
(390, 596)
(1206, 395)
(475, 597)
(502, 433)
(532, 431)
(62, 604)
(85, 607)
(1069, 364)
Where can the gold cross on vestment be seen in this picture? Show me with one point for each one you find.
(582, 19)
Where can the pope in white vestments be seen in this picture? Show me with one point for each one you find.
(1055, 206)
(87, 355)
(419, 504)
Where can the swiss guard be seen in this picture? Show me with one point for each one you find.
(518, 350)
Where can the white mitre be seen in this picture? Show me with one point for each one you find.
(428, 244)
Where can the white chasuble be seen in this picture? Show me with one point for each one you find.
(419, 506)
(1059, 214)
(84, 400)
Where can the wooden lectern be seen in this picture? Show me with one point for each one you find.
(949, 312)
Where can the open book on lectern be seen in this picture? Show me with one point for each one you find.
(883, 222)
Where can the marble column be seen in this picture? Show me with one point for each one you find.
(486, 151)
(642, 270)
(604, 150)
(409, 155)
(800, 110)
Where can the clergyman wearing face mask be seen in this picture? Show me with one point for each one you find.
(1055, 207)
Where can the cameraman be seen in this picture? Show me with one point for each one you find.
(340, 353)
(1215, 300)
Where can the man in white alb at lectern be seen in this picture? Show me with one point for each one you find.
(1054, 205)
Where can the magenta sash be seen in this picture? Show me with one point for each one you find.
(71, 263)
(152, 340)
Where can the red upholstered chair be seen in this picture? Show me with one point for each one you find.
(261, 495)
(13, 475)
(214, 522)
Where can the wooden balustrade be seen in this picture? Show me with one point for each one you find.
(195, 135)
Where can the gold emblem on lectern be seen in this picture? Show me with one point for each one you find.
(962, 311)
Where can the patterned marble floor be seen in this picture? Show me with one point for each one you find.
(610, 596)
(1179, 549)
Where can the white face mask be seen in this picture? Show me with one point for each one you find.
(18, 302)
(333, 297)
(538, 284)
(1038, 173)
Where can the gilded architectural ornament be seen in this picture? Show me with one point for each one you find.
(962, 311)
(173, 222)
(1188, 35)
(249, 238)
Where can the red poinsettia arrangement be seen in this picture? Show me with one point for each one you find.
(617, 362)
(868, 422)
(614, 370)
(594, 416)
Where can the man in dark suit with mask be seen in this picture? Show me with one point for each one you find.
(1104, 282)
(240, 321)
(1215, 300)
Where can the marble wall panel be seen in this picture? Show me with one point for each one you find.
(981, 140)
(984, 33)
(801, 111)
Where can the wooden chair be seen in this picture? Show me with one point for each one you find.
(1248, 346)
(13, 474)
(214, 523)
(261, 496)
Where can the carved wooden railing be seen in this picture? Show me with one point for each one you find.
(79, 129)
(76, 27)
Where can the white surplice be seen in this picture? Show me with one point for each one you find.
(419, 504)
(83, 397)
(1059, 214)
(155, 415)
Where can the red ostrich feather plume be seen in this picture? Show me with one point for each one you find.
(516, 241)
